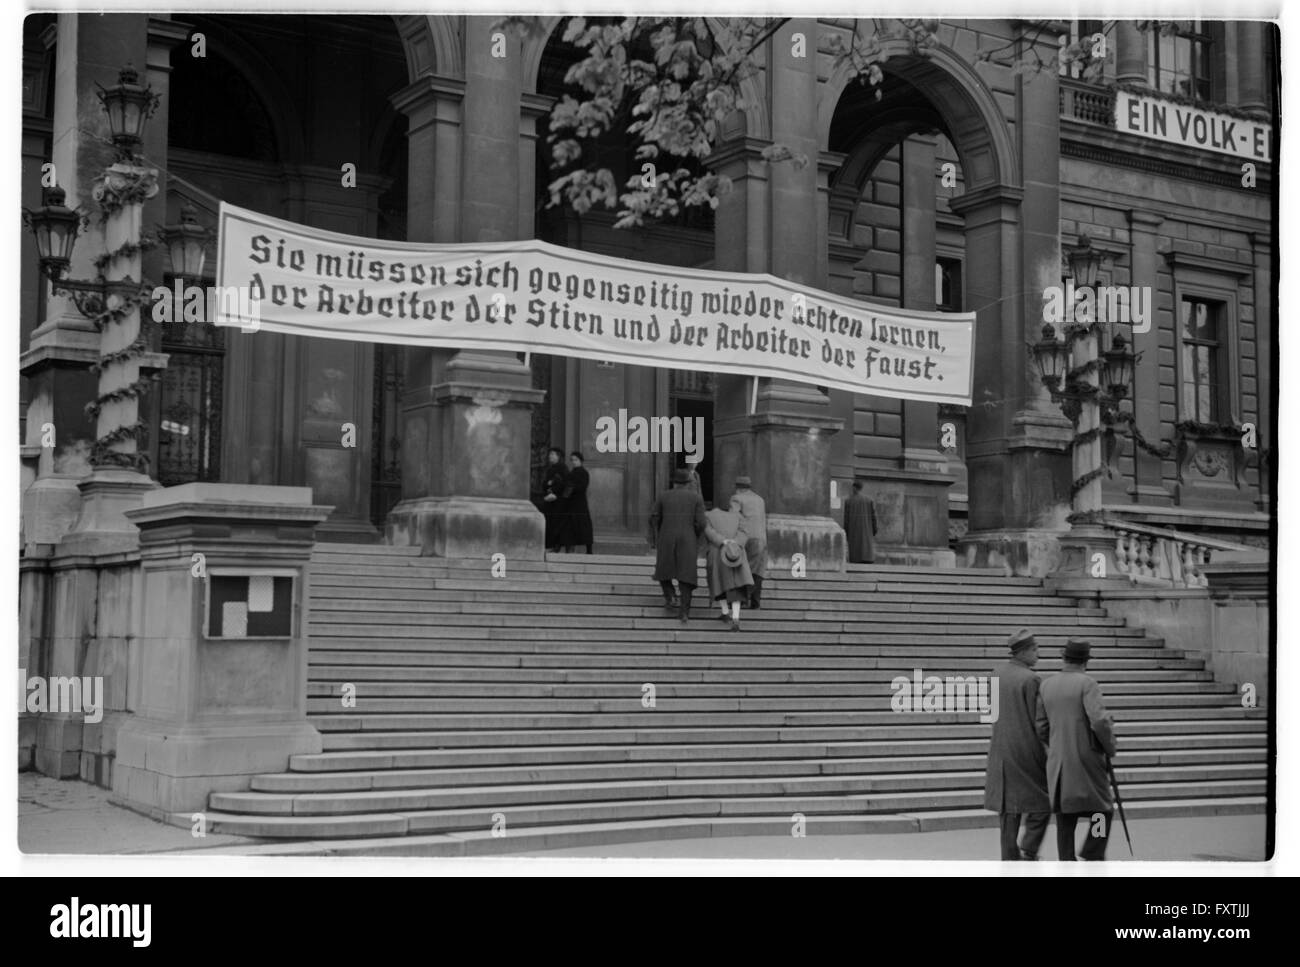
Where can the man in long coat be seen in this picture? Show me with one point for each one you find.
(753, 530)
(676, 522)
(1072, 720)
(1015, 785)
(860, 526)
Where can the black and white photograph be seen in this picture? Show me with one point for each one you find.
(569, 437)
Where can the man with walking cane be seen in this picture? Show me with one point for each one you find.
(1079, 733)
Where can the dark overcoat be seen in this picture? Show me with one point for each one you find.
(554, 477)
(1073, 721)
(860, 529)
(1016, 778)
(575, 528)
(676, 522)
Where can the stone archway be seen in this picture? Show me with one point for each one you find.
(1008, 156)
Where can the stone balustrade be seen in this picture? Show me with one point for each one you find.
(1170, 558)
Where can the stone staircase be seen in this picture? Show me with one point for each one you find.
(507, 714)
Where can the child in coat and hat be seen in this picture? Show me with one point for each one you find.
(730, 579)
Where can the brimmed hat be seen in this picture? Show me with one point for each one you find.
(1022, 639)
(681, 476)
(732, 554)
(744, 481)
(1077, 649)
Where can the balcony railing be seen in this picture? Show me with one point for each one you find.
(1086, 102)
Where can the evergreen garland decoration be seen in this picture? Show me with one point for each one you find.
(102, 453)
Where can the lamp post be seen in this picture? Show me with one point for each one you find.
(112, 298)
(1087, 384)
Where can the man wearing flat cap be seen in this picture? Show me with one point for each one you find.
(676, 522)
(1015, 784)
(753, 533)
(1072, 720)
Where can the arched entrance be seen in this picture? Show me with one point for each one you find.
(901, 233)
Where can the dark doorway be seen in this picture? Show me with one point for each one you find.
(691, 397)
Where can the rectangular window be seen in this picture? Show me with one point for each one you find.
(1201, 363)
(1179, 62)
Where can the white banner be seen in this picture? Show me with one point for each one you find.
(1153, 117)
(529, 296)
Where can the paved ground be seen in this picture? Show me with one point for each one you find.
(76, 817)
(1220, 838)
(63, 816)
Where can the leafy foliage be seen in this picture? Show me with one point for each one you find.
(670, 84)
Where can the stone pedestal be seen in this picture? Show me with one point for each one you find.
(466, 443)
(784, 447)
(218, 696)
(1087, 561)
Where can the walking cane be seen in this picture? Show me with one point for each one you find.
(1119, 804)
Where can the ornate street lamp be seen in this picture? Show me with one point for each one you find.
(1084, 262)
(129, 105)
(1053, 357)
(1117, 370)
(185, 243)
(55, 227)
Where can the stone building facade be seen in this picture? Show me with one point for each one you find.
(956, 189)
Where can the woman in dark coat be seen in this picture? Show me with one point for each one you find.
(576, 528)
(554, 480)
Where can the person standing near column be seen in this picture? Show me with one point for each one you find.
(576, 528)
(554, 478)
(1015, 783)
(676, 523)
(753, 533)
(860, 526)
(1079, 733)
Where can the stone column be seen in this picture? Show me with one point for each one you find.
(1262, 246)
(1130, 53)
(219, 690)
(468, 418)
(1148, 487)
(1252, 80)
(788, 453)
(90, 49)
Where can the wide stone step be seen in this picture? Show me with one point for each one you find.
(661, 735)
(708, 637)
(603, 565)
(632, 701)
(1178, 766)
(647, 606)
(548, 831)
(367, 686)
(796, 601)
(792, 599)
(1139, 784)
(333, 651)
(399, 721)
(1169, 749)
(361, 668)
